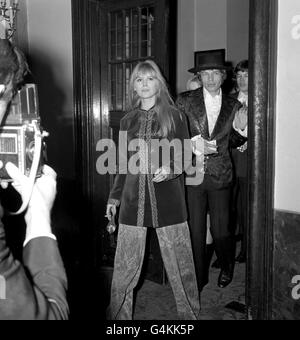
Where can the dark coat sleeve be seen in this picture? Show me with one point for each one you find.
(236, 139)
(117, 189)
(182, 157)
(181, 102)
(36, 289)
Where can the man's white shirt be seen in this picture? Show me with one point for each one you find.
(213, 108)
(243, 99)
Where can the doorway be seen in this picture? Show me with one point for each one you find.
(110, 38)
(95, 118)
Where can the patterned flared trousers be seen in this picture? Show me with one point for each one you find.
(176, 251)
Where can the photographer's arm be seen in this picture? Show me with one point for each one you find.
(36, 290)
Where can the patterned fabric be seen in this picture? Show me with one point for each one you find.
(145, 134)
(142, 177)
(127, 269)
(149, 173)
(145, 203)
(176, 251)
(177, 256)
(218, 166)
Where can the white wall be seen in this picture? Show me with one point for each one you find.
(185, 41)
(50, 34)
(50, 55)
(21, 36)
(237, 30)
(210, 24)
(198, 29)
(287, 170)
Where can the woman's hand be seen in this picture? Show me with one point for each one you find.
(161, 174)
(111, 211)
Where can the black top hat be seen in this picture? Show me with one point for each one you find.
(207, 60)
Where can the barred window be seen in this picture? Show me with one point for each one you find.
(131, 40)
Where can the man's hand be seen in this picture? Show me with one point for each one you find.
(210, 147)
(37, 216)
(44, 189)
(203, 147)
(241, 118)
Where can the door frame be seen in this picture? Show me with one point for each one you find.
(262, 95)
(262, 99)
(88, 113)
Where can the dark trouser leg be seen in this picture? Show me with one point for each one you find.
(209, 252)
(197, 209)
(243, 212)
(219, 206)
(127, 269)
(234, 223)
(176, 251)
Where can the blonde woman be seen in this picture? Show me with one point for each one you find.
(151, 198)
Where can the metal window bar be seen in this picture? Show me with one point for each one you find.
(125, 36)
(139, 31)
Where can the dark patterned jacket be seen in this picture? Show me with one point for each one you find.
(217, 167)
(143, 202)
(35, 289)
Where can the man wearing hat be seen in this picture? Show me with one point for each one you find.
(210, 116)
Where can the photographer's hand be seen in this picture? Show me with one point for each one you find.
(37, 216)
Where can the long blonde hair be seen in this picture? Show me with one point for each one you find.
(164, 102)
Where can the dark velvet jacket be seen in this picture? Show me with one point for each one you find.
(36, 288)
(218, 168)
(145, 203)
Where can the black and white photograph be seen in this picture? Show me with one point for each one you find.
(149, 162)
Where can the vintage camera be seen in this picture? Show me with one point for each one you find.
(20, 132)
